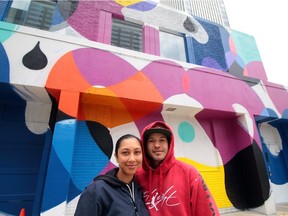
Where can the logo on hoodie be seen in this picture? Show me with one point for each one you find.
(156, 200)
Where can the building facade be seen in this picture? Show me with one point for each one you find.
(212, 10)
(76, 75)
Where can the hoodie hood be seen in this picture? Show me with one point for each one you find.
(111, 179)
(169, 159)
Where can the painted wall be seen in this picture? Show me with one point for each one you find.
(226, 115)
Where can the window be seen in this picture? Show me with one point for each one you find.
(36, 14)
(127, 35)
(172, 46)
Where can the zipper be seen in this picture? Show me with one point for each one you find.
(132, 196)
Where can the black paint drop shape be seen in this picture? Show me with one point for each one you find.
(102, 137)
(35, 59)
(188, 25)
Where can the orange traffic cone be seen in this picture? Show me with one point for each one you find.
(22, 212)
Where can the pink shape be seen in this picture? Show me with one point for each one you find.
(256, 69)
(108, 167)
(101, 67)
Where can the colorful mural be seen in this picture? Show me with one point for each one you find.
(77, 97)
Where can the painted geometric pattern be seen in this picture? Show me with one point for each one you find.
(121, 95)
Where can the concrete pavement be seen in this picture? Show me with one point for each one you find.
(282, 210)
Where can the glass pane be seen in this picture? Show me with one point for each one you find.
(37, 14)
(127, 35)
(18, 12)
(40, 14)
(172, 46)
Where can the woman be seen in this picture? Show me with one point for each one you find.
(116, 192)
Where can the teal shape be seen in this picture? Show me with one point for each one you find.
(186, 132)
(246, 47)
(7, 29)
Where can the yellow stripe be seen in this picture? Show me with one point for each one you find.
(214, 178)
(127, 2)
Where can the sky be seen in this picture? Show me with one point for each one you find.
(266, 20)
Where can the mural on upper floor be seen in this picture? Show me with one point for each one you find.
(163, 83)
(243, 59)
(145, 11)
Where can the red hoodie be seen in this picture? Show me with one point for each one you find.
(174, 187)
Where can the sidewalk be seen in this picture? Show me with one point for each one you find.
(282, 210)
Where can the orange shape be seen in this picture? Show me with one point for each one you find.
(65, 75)
(136, 93)
(103, 106)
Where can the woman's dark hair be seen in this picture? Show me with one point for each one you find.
(126, 136)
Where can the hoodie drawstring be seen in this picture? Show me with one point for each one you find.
(132, 195)
(161, 180)
(150, 189)
(150, 182)
(132, 191)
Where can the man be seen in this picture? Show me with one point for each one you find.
(170, 187)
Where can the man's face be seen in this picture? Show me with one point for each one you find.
(157, 148)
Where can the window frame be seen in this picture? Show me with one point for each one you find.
(132, 27)
(174, 34)
(33, 15)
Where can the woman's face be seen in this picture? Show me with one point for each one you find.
(129, 156)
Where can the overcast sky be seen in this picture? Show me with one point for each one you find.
(266, 20)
